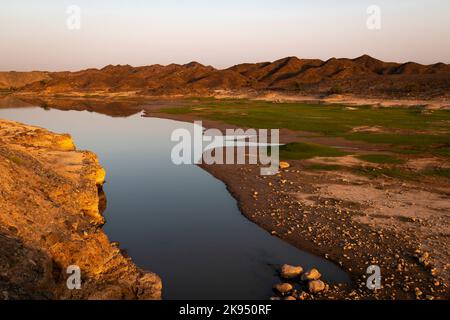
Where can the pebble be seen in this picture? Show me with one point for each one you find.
(284, 165)
(284, 288)
(275, 298)
(316, 286)
(302, 296)
(290, 272)
(312, 274)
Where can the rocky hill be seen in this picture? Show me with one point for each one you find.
(363, 75)
(13, 80)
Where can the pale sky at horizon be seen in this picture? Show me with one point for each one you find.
(34, 35)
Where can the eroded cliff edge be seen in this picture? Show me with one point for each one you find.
(50, 219)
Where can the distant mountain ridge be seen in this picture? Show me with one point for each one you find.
(359, 75)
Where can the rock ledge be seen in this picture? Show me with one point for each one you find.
(50, 219)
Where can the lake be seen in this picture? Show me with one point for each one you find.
(177, 221)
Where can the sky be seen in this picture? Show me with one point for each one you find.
(34, 35)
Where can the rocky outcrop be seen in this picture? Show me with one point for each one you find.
(50, 220)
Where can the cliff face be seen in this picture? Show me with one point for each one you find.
(50, 219)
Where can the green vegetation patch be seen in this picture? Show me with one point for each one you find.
(403, 130)
(440, 172)
(442, 151)
(402, 174)
(415, 140)
(396, 173)
(324, 167)
(178, 110)
(298, 151)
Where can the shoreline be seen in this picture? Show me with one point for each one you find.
(291, 206)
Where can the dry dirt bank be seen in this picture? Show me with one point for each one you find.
(50, 219)
(355, 222)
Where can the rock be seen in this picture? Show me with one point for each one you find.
(284, 288)
(109, 293)
(424, 259)
(302, 296)
(316, 286)
(290, 272)
(58, 223)
(312, 274)
(425, 256)
(418, 292)
(149, 287)
(284, 165)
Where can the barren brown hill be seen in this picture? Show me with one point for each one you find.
(266, 74)
(13, 80)
(361, 76)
